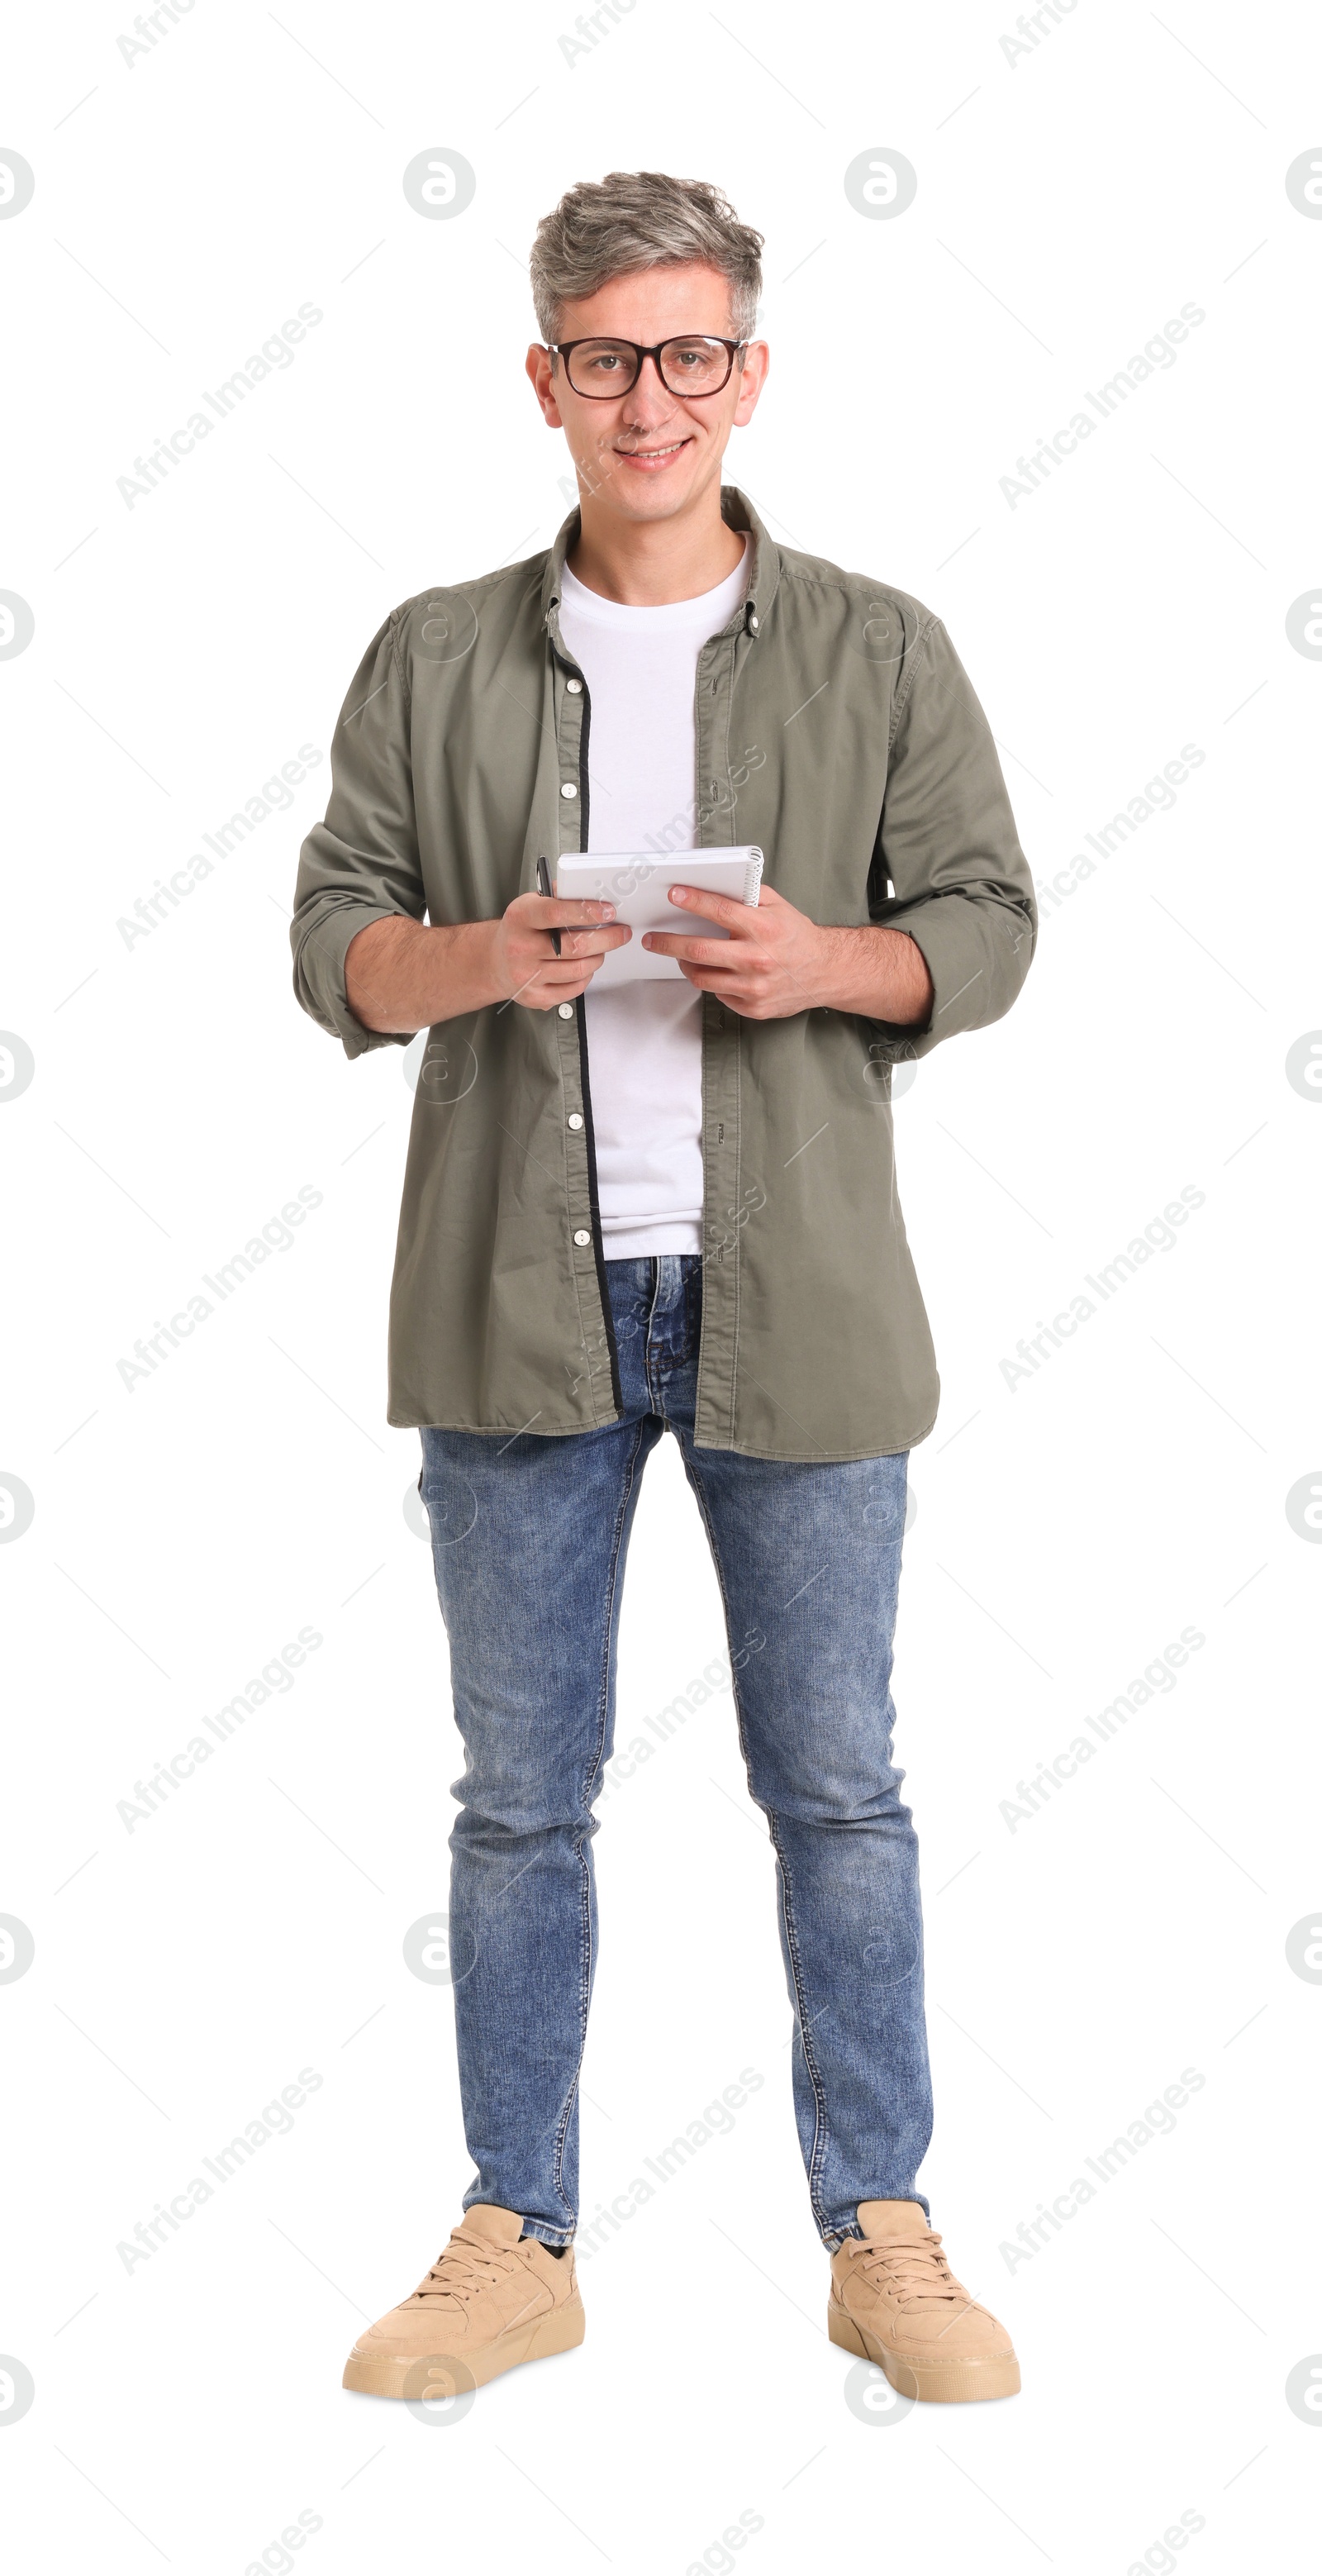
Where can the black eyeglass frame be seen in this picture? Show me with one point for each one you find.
(594, 339)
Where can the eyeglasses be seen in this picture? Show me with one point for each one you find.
(602, 370)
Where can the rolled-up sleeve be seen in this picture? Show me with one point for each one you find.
(362, 863)
(947, 844)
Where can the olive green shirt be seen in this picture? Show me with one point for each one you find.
(835, 728)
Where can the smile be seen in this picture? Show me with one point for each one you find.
(649, 459)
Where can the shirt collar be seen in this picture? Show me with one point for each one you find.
(738, 513)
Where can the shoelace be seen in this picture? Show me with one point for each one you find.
(464, 2270)
(915, 2266)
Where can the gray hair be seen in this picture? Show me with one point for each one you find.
(637, 219)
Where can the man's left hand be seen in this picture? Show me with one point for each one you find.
(776, 961)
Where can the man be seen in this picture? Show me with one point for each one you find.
(666, 1205)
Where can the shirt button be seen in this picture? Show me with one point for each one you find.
(566, 1010)
(575, 688)
(581, 1234)
(752, 623)
(569, 789)
(574, 1118)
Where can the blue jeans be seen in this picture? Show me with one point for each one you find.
(528, 1538)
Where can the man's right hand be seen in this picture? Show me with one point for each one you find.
(524, 960)
(401, 976)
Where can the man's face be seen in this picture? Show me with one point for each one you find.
(650, 454)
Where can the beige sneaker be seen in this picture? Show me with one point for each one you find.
(895, 2301)
(495, 2297)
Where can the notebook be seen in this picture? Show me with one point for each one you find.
(636, 882)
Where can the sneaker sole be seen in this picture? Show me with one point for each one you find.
(405, 2374)
(948, 2383)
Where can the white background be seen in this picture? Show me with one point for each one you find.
(1067, 204)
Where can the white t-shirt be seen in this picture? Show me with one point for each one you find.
(645, 1039)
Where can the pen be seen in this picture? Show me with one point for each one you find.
(544, 887)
